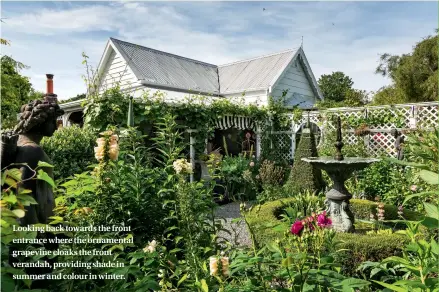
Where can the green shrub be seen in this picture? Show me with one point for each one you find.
(363, 208)
(71, 150)
(358, 248)
(304, 176)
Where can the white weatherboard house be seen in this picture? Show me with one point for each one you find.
(136, 68)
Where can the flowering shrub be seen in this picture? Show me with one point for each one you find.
(321, 220)
(107, 145)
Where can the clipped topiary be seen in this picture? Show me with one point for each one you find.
(304, 176)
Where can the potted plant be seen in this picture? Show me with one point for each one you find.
(362, 130)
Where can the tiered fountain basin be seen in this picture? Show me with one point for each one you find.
(337, 198)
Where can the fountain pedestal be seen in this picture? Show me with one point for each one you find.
(337, 198)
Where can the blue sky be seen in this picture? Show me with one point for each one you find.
(338, 36)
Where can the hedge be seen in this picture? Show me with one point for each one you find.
(361, 247)
(304, 176)
(71, 150)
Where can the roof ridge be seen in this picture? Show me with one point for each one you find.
(260, 57)
(166, 53)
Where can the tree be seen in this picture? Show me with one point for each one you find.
(413, 75)
(16, 90)
(77, 97)
(338, 91)
(304, 176)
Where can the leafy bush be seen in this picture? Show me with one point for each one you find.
(270, 178)
(363, 208)
(304, 176)
(231, 173)
(361, 248)
(70, 150)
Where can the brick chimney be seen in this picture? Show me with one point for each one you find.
(49, 90)
(50, 96)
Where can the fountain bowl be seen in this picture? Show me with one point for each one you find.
(337, 198)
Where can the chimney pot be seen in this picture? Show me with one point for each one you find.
(49, 90)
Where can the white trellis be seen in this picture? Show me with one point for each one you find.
(379, 141)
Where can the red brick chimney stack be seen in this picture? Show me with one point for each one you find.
(49, 90)
(50, 96)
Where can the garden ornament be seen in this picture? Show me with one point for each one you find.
(339, 169)
(37, 120)
(399, 141)
(21, 146)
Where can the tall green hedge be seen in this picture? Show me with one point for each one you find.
(71, 150)
(304, 176)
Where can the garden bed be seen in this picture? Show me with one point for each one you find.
(360, 246)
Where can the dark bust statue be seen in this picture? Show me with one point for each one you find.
(20, 148)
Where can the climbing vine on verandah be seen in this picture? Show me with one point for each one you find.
(198, 113)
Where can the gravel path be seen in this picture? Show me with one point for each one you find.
(239, 235)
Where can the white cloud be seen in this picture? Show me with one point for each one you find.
(336, 35)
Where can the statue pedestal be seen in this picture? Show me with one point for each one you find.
(337, 201)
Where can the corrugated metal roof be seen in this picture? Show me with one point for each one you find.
(168, 70)
(164, 69)
(254, 73)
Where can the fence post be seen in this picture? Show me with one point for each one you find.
(414, 117)
(293, 137)
(192, 141)
(258, 141)
(366, 138)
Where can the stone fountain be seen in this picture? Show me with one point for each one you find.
(339, 169)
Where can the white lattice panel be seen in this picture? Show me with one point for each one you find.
(350, 138)
(381, 143)
(428, 116)
(283, 145)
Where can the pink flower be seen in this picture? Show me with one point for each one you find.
(323, 221)
(414, 188)
(297, 227)
(400, 211)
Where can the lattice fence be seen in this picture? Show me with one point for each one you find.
(384, 118)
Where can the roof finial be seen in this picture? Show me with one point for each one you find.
(301, 44)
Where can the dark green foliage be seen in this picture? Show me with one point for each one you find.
(16, 90)
(363, 208)
(413, 75)
(361, 248)
(338, 91)
(71, 150)
(77, 97)
(304, 177)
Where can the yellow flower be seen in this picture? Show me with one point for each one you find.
(113, 151)
(99, 152)
(182, 166)
(225, 265)
(101, 142)
(151, 246)
(213, 264)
